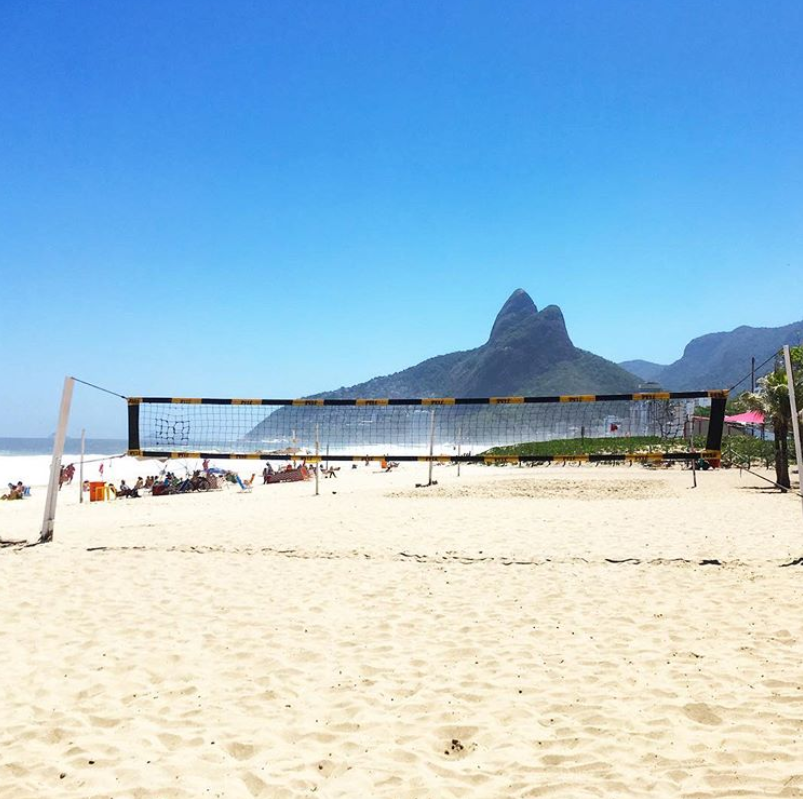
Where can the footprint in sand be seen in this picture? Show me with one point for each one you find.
(241, 751)
(170, 741)
(325, 767)
(256, 787)
(100, 721)
(701, 713)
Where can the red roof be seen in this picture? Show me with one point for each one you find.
(751, 417)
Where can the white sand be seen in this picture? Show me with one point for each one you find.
(469, 640)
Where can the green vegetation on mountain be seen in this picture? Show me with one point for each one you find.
(719, 360)
(648, 371)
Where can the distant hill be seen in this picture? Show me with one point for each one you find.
(529, 352)
(719, 360)
(647, 370)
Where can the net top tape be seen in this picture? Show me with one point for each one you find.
(435, 401)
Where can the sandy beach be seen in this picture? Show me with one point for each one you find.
(509, 633)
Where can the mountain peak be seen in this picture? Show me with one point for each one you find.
(518, 307)
(529, 353)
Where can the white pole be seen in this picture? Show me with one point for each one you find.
(81, 467)
(431, 442)
(790, 381)
(459, 446)
(46, 534)
(317, 459)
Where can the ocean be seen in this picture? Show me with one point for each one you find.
(72, 446)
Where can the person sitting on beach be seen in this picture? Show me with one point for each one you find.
(14, 491)
(128, 491)
(267, 473)
(139, 484)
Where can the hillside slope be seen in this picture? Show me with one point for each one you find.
(528, 352)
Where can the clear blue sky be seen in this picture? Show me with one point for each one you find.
(278, 198)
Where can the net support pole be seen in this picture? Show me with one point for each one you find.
(46, 533)
(459, 447)
(431, 443)
(716, 424)
(133, 425)
(81, 467)
(317, 453)
(790, 381)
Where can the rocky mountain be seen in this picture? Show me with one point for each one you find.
(719, 360)
(529, 352)
(646, 370)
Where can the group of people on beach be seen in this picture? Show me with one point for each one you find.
(125, 490)
(132, 492)
(269, 471)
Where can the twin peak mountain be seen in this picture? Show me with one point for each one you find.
(529, 353)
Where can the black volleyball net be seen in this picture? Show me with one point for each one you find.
(577, 427)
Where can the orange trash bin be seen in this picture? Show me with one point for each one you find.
(97, 491)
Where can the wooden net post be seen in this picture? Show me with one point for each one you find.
(790, 381)
(46, 533)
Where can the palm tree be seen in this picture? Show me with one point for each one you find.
(772, 399)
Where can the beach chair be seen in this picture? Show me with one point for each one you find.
(244, 487)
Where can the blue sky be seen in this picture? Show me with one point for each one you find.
(278, 198)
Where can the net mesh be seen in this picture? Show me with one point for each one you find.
(446, 427)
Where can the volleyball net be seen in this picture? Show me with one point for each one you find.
(596, 428)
